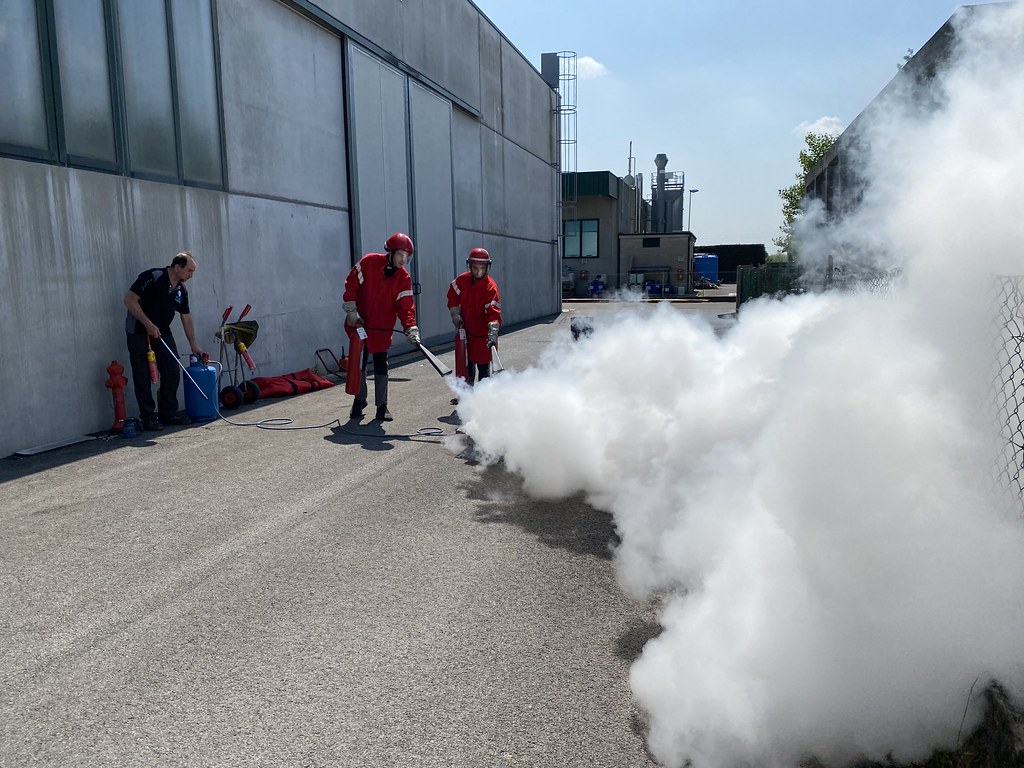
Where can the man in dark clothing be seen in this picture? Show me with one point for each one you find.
(152, 301)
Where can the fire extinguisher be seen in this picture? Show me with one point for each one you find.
(244, 352)
(240, 347)
(461, 356)
(354, 371)
(154, 374)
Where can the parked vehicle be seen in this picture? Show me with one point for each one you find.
(703, 283)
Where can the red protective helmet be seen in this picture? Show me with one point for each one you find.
(399, 242)
(479, 256)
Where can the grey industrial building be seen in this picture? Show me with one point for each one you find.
(277, 140)
(834, 180)
(610, 233)
(599, 207)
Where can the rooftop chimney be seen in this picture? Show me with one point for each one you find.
(659, 209)
(667, 198)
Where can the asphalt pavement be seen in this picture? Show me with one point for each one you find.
(344, 595)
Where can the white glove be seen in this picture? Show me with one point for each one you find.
(492, 334)
(352, 314)
(413, 333)
(456, 316)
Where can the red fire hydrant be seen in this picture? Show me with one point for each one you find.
(116, 384)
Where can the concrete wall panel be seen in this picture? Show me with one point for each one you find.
(526, 106)
(490, 76)
(431, 121)
(380, 21)
(532, 293)
(377, 98)
(492, 154)
(453, 64)
(436, 39)
(529, 189)
(283, 104)
(467, 171)
(47, 380)
(290, 262)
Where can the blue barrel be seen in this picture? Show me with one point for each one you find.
(706, 265)
(197, 407)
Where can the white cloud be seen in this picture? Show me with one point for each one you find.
(588, 68)
(830, 125)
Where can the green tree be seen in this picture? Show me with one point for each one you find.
(818, 144)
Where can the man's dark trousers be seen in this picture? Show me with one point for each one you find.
(170, 375)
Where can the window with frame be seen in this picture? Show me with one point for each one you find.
(128, 86)
(25, 99)
(579, 239)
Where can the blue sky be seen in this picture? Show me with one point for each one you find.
(726, 89)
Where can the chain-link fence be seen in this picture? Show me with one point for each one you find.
(1008, 388)
(783, 279)
(845, 278)
(779, 280)
(775, 280)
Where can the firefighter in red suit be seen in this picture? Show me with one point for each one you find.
(475, 304)
(378, 291)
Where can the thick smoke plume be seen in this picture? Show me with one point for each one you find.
(810, 494)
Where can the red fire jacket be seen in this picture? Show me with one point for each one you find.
(480, 305)
(380, 300)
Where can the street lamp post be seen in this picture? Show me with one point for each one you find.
(689, 271)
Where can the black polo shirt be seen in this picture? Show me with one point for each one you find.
(158, 300)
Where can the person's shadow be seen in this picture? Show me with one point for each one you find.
(371, 436)
(453, 419)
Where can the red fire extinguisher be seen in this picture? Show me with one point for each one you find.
(461, 355)
(240, 345)
(244, 352)
(154, 374)
(354, 371)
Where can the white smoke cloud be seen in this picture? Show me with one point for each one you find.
(830, 125)
(587, 68)
(810, 494)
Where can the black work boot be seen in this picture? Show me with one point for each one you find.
(383, 414)
(357, 409)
